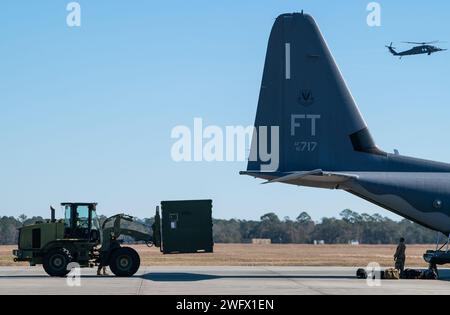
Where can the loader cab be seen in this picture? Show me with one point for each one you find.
(81, 221)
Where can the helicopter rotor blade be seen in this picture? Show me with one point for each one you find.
(422, 43)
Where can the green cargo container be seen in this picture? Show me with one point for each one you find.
(186, 226)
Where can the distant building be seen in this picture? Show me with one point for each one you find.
(319, 242)
(261, 241)
(353, 243)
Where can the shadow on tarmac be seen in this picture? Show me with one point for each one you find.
(185, 277)
(46, 276)
(192, 277)
(444, 275)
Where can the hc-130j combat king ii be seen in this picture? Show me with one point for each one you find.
(334, 148)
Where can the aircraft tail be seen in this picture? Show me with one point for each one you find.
(392, 50)
(304, 95)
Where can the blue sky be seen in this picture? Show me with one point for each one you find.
(86, 113)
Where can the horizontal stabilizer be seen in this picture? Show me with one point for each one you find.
(298, 176)
(316, 178)
(294, 176)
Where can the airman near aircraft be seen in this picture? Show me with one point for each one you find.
(400, 256)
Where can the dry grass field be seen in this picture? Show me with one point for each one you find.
(272, 255)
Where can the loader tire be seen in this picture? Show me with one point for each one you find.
(56, 261)
(124, 262)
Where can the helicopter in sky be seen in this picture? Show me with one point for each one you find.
(422, 48)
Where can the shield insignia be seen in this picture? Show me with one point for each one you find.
(306, 97)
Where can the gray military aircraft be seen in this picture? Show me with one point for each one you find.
(423, 48)
(323, 140)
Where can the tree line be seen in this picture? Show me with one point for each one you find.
(350, 226)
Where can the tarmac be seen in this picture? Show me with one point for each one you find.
(217, 281)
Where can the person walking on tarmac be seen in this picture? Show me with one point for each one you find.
(400, 256)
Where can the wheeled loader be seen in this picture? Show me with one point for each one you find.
(79, 238)
(182, 227)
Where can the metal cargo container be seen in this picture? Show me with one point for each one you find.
(186, 226)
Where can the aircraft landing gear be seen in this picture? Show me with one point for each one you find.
(438, 256)
(433, 268)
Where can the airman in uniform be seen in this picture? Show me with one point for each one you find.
(400, 256)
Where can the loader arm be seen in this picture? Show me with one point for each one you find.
(116, 226)
(136, 235)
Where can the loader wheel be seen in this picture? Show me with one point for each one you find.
(56, 262)
(124, 262)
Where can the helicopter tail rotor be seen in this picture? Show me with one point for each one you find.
(392, 49)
